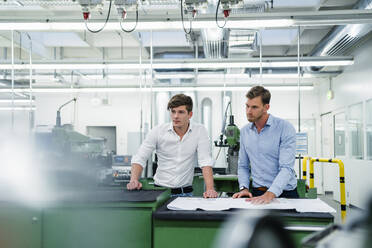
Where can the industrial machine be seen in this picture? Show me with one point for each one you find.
(121, 166)
(75, 159)
(232, 136)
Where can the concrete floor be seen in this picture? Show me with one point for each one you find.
(350, 210)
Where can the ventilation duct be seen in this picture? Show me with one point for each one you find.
(216, 42)
(242, 42)
(342, 38)
(251, 6)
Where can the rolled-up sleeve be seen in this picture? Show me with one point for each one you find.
(287, 156)
(146, 148)
(204, 149)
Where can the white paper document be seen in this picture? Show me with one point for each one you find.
(218, 204)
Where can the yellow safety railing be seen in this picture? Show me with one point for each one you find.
(342, 180)
(304, 167)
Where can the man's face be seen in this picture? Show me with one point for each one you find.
(180, 116)
(255, 109)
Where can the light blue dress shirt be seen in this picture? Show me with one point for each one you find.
(269, 156)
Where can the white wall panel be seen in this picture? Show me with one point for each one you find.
(351, 87)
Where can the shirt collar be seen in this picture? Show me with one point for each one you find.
(269, 122)
(170, 127)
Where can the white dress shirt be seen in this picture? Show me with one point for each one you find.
(176, 158)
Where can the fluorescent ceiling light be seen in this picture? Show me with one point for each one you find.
(191, 75)
(255, 76)
(205, 21)
(154, 89)
(186, 64)
(142, 25)
(174, 75)
(17, 108)
(87, 77)
(127, 76)
(16, 101)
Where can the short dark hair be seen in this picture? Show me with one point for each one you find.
(259, 91)
(180, 100)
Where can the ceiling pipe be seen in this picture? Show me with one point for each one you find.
(342, 38)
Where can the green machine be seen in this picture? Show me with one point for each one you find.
(201, 228)
(110, 217)
(232, 136)
(70, 208)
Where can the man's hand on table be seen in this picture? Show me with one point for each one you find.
(263, 199)
(242, 193)
(210, 193)
(134, 185)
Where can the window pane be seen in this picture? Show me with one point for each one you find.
(339, 132)
(369, 129)
(355, 124)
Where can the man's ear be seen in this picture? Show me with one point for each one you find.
(267, 107)
(190, 114)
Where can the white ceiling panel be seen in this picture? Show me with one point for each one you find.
(112, 39)
(164, 39)
(65, 39)
(278, 36)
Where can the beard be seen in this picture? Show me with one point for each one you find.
(255, 118)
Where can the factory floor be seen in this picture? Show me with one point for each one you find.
(351, 211)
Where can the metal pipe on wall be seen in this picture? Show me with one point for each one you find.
(299, 92)
(12, 111)
(31, 113)
(260, 34)
(152, 78)
(140, 83)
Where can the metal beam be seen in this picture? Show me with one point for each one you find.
(173, 22)
(267, 62)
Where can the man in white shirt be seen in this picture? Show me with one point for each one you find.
(180, 145)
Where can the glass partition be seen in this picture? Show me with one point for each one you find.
(369, 128)
(339, 134)
(355, 126)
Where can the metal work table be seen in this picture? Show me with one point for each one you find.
(103, 218)
(199, 228)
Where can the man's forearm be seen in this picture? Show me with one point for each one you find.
(208, 177)
(243, 176)
(136, 171)
(280, 181)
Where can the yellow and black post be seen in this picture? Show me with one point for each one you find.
(304, 167)
(342, 180)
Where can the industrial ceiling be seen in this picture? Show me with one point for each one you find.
(259, 40)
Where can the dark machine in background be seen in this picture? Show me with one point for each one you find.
(232, 136)
(73, 158)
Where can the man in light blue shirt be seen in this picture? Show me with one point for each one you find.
(267, 152)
